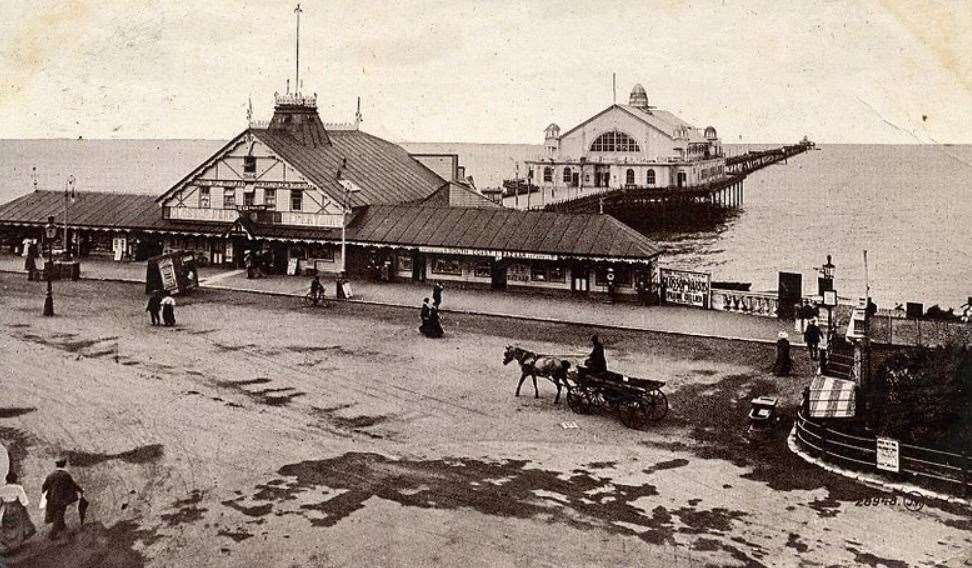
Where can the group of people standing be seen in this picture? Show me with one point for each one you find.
(431, 323)
(58, 492)
(161, 308)
(811, 336)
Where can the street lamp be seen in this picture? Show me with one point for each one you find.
(349, 188)
(69, 197)
(50, 232)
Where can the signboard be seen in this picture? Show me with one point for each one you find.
(291, 266)
(174, 272)
(167, 272)
(888, 457)
(685, 287)
(830, 298)
(242, 183)
(348, 293)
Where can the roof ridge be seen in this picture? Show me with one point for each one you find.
(94, 192)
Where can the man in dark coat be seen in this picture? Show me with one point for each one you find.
(783, 363)
(61, 491)
(596, 361)
(154, 306)
(437, 295)
(812, 338)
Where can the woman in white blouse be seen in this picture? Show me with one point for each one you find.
(15, 524)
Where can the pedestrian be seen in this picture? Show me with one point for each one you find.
(611, 287)
(59, 491)
(30, 262)
(15, 524)
(596, 360)
(783, 364)
(154, 306)
(437, 294)
(812, 338)
(168, 310)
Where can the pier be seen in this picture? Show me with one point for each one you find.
(641, 206)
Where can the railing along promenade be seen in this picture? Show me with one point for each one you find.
(860, 451)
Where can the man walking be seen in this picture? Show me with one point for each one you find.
(154, 306)
(436, 294)
(812, 338)
(60, 491)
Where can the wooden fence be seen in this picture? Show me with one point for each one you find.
(949, 468)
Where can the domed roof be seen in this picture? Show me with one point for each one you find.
(639, 97)
(710, 133)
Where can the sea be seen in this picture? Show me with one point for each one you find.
(906, 209)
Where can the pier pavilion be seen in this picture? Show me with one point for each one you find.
(299, 193)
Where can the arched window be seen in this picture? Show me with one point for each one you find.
(548, 174)
(615, 142)
(567, 176)
(651, 177)
(629, 177)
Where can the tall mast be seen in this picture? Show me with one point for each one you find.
(298, 11)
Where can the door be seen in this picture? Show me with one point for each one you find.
(498, 273)
(681, 179)
(580, 280)
(418, 267)
(576, 180)
(790, 293)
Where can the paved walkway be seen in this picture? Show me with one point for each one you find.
(585, 311)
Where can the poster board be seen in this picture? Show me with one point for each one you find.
(348, 293)
(888, 454)
(292, 266)
(684, 287)
(174, 272)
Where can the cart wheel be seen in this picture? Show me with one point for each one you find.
(634, 414)
(595, 401)
(656, 405)
(577, 402)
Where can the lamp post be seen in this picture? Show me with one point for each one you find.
(349, 188)
(50, 232)
(69, 197)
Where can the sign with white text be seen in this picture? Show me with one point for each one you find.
(888, 457)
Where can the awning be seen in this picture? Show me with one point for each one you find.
(832, 398)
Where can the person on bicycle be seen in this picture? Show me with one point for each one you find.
(317, 290)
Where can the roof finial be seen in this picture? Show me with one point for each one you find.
(298, 11)
(357, 115)
(249, 111)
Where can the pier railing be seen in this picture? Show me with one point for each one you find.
(940, 467)
(763, 304)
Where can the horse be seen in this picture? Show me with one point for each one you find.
(535, 365)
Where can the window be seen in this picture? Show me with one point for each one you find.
(270, 198)
(546, 272)
(204, 197)
(650, 180)
(249, 164)
(229, 198)
(567, 176)
(449, 266)
(615, 142)
(248, 198)
(482, 269)
(629, 177)
(623, 277)
(548, 174)
(296, 200)
(405, 263)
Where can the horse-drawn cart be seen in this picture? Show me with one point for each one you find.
(637, 401)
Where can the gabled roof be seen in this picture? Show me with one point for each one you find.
(543, 232)
(384, 171)
(661, 120)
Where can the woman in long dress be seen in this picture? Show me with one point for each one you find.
(168, 310)
(15, 524)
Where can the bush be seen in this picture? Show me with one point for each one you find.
(921, 395)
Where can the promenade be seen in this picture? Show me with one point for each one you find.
(514, 304)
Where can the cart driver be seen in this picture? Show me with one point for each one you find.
(596, 360)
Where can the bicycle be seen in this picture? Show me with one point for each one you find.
(313, 299)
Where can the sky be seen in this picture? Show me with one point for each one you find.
(490, 72)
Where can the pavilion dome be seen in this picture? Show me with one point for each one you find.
(638, 98)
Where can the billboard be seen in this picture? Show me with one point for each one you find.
(174, 272)
(685, 287)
